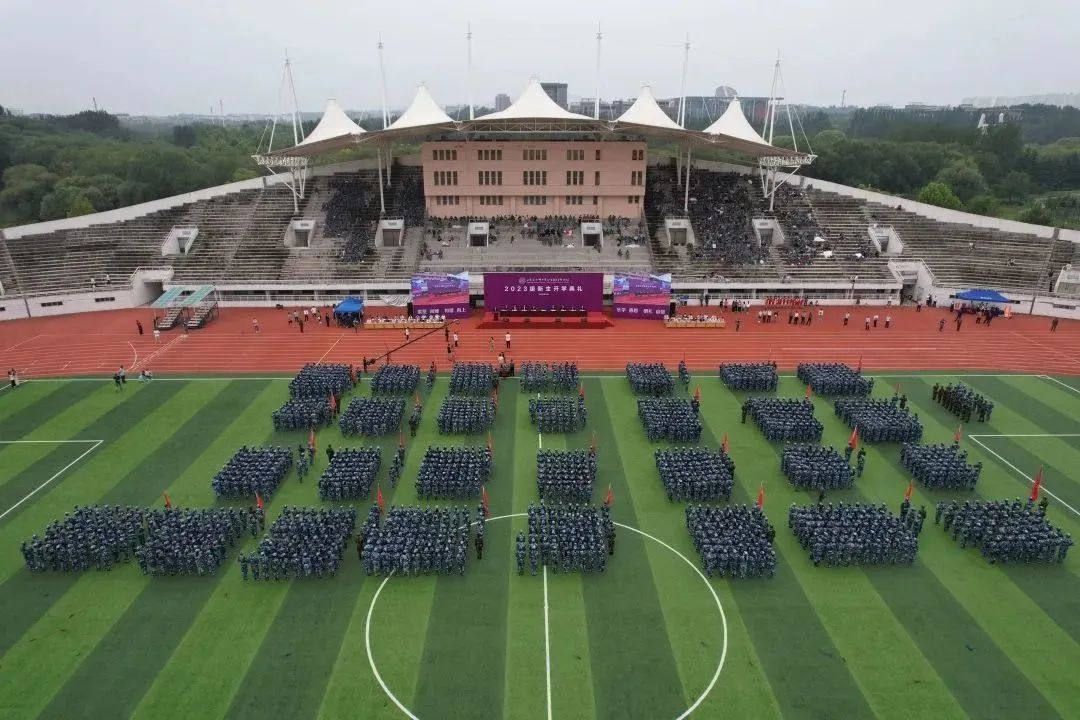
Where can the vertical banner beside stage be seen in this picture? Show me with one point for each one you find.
(642, 296)
(540, 291)
(440, 294)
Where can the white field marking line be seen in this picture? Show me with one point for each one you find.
(340, 338)
(1055, 380)
(134, 364)
(54, 442)
(1045, 347)
(21, 342)
(685, 714)
(61, 471)
(1011, 435)
(833, 348)
(547, 646)
(161, 349)
(1023, 474)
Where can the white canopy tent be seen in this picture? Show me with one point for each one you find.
(423, 111)
(733, 123)
(534, 103)
(645, 111)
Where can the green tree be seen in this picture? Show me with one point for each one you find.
(81, 206)
(184, 136)
(1015, 186)
(983, 205)
(964, 178)
(244, 173)
(940, 194)
(24, 188)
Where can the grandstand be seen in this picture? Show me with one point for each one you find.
(368, 228)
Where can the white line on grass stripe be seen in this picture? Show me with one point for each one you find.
(1012, 435)
(1024, 475)
(367, 642)
(62, 470)
(10, 442)
(1055, 380)
(547, 646)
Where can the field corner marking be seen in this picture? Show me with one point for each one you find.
(61, 471)
(1024, 475)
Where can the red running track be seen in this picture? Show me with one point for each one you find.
(97, 343)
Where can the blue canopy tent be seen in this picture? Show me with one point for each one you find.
(982, 295)
(349, 306)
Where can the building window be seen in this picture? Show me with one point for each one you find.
(535, 199)
(575, 177)
(596, 178)
(633, 199)
(636, 177)
(489, 154)
(534, 177)
(489, 177)
(104, 299)
(573, 199)
(575, 154)
(491, 199)
(533, 154)
(595, 200)
(444, 154)
(447, 199)
(597, 153)
(637, 155)
(54, 303)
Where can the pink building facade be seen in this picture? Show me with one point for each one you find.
(482, 178)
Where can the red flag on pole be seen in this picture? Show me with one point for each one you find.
(168, 502)
(724, 444)
(761, 495)
(1037, 486)
(379, 498)
(485, 500)
(592, 445)
(809, 391)
(333, 403)
(609, 496)
(853, 441)
(258, 501)
(959, 434)
(859, 368)
(352, 373)
(491, 443)
(581, 391)
(697, 393)
(311, 439)
(401, 438)
(910, 489)
(416, 398)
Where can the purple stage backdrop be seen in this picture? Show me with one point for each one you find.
(544, 291)
(643, 296)
(440, 294)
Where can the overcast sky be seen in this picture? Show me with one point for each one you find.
(163, 57)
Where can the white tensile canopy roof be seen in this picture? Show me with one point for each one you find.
(734, 124)
(645, 111)
(421, 112)
(333, 125)
(534, 103)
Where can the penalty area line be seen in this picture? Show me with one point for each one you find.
(1024, 475)
(61, 471)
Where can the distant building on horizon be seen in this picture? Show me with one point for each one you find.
(992, 101)
(557, 92)
(502, 101)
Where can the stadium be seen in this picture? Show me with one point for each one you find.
(539, 414)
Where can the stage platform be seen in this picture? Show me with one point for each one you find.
(545, 321)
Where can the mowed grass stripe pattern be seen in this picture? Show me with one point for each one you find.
(950, 637)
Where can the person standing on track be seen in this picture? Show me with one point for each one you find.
(138, 324)
(407, 333)
(507, 339)
(455, 339)
(1053, 325)
(255, 325)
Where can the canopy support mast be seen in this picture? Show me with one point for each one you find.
(385, 111)
(596, 102)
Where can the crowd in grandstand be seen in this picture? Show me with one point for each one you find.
(1005, 531)
(842, 535)
(733, 541)
(301, 543)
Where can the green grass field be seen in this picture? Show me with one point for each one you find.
(950, 637)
